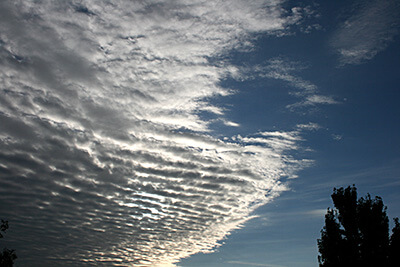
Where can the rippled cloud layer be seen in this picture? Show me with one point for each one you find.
(104, 155)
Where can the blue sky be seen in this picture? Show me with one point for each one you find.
(192, 133)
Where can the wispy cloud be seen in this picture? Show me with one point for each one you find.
(337, 137)
(287, 71)
(368, 31)
(316, 213)
(311, 126)
(104, 158)
(313, 100)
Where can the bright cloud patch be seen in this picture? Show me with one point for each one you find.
(104, 157)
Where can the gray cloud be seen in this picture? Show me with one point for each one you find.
(104, 158)
(367, 31)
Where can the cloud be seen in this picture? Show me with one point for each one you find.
(316, 213)
(104, 156)
(311, 126)
(286, 70)
(282, 69)
(313, 100)
(337, 137)
(368, 31)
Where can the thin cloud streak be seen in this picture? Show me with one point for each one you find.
(286, 71)
(104, 156)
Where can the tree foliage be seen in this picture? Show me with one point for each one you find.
(7, 256)
(356, 232)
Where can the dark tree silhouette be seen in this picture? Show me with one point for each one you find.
(356, 232)
(7, 256)
(394, 245)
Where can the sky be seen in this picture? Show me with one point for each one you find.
(192, 133)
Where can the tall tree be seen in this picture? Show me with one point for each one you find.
(7, 256)
(356, 232)
(394, 245)
(331, 243)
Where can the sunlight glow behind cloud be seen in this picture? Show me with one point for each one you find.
(104, 154)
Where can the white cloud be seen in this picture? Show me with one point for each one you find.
(281, 69)
(316, 213)
(104, 156)
(311, 126)
(367, 31)
(337, 137)
(313, 100)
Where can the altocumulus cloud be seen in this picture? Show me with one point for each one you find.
(104, 156)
